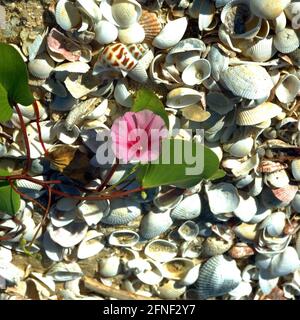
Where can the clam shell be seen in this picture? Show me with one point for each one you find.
(171, 33)
(242, 147)
(133, 34)
(126, 13)
(177, 268)
(285, 262)
(53, 250)
(168, 200)
(217, 277)
(188, 230)
(152, 275)
(247, 81)
(109, 267)
(122, 95)
(182, 97)
(206, 14)
(218, 61)
(67, 136)
(161, 250)
(41, 66)
(91, 9)
(295, 166)
(215, 245)
(67, 15)
(253, 116)
(196, 72)
(296, 203)
(123, 238)
(262, 50)
(170, 290)
(61, 218)
(219, 103)
(268, 9)
(151, 24)
(227, 195)
(62, 272)
(277, 179)
(246, 209)
(90, 245)
(105, 32)
(153, 224)
(288, 88)
(285, 194)
(93, 211)
(274, 224)
(286, 41)
(122, 211)
(188, 208)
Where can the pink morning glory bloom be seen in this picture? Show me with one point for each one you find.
(136, 136)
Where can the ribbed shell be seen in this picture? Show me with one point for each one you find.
(262, 50)
(122, 211)
(261, 113)
(188, 208)
(152, 26)
(286, 41)
(217, 277)
(248, 81)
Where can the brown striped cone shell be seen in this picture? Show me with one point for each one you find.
(152, 26)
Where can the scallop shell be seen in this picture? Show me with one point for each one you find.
(171, 34)
(123, 238)
(91, 245)
(256, 115)
(288, 88)
(105, 32)
(67, 15)
(177, 268)
(262, 50)
(285, 194)
(217, 277)
(188, 208)
(122, 211)
(126, 13)
(268, 9)
(93, 211)
(248, 81)
(286, 41)
(161, 250)
(151, 24)
(285, 263)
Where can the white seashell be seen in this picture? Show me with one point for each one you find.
(285, 262)
(188, 208)
(123, 238)
(280, 22)
(10, 273)
(206, 11)
(286, 41)
(109, 267)
(244, 289)
(218, 61)
(274, 224)
(105, 32)
(188, 230)
(91, 245)
(296, 203)
(292, 9)
(219, 103)
(196, 72)
(227, 195)
(41, 66)
(70, 235)
(217, 277)
(91, 9)
(262, 50)
(5, 254)
(66, 204)
(53, 250)
(295, 166)
(93, 211)
(191, 249)
(125, 13)
(246, 209)
(191, 276)
(62, 272)
(267, 284)
(152, 275)
(262, 261)
(171, 34)
(261, 214)
(61, 218)
(177, 268)
(133, 34)
(242, 147)
(182, 97)
(122, 211)
(247, 81)
(170, 290)
(288, 88)
(73, 67)
(161, 250)
(153, 224)
(122, 95)
(277, 179)
(67, 136)
(67, 15)
(168, 199)
(268, 9)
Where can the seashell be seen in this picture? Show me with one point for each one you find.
(41, 66)
(285, 262)
(206, 15)
(44, 286)
(182, 97)
(239, 20)
(247, 208)
(93, 211)
(188, 231)
(215, 245)
(274, 224)
(133, 34)
(280, 22)
(285, 194)
(153, 224)
(125, 13)
(268, 9)
(69, 235)
(244, 289)
(168, 199)
(138, 73)
(123, 238)
(161, 250)
(242, 147)
(90, 245)
(171, 33)
(241, 250)
(217, 277)
(195, 113)
(170, 290)
(67, 136)
(296, 203)
(105, 32)
(218, 61)
(288, 88)
(247, 81)
(122, 211)
(29, 188)
(152, 275)
(219, 103)
(73, 67)
(188, 208)
(38, 45)
(196, 72)
(262, 50)
(62, 272)
(10, 273)
(177, 268)
(122, 95)
(295, 166)
(292, 9)
(61, 218)
(151, 24)
(227, 195)
(53, 250)
(91, 9)
(109, 267)
(267, 166)
(253, 116)
(277, 179)
(261, 214)
(286, 41)
(246, 231)
(67, 15)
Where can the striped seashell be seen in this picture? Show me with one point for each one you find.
(285, 194)
(152, 26)
(267, 166)
(120, 56)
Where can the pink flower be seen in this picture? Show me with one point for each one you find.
(137, 135)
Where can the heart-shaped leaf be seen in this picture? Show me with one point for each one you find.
(13, 81)
(184, 173)
(9, 199)
(146, 99)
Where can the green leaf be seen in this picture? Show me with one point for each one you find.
(175, 172)
(9, 199)
(13, 80)
(218, 175)
(4, 173)
(146, 99)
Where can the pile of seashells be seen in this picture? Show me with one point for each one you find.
(228, 67)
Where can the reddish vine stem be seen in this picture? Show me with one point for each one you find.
(37, 116)
(108, 176)
(25, 137)
(6, 136)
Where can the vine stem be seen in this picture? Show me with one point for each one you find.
(37, 116)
